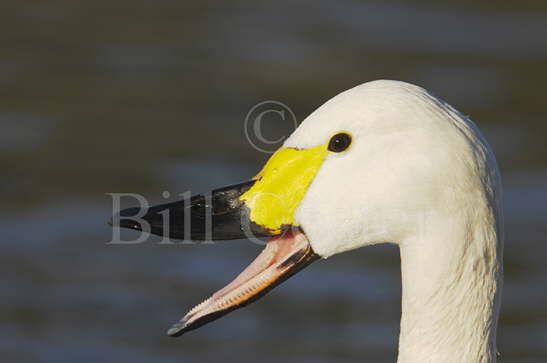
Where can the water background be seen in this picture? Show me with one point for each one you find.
(134, 96)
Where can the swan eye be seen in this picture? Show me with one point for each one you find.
(339, 142)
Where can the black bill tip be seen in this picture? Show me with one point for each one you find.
(186, 324)
(176, 330)
(124, 219)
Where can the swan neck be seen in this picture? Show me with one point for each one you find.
(452, 279)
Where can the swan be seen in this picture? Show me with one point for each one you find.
(383, 162)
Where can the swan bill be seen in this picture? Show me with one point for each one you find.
(285, 253)
(262, 207)
(282, 257)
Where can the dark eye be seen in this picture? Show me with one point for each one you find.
(339, 142)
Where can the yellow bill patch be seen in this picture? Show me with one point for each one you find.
(281, 185)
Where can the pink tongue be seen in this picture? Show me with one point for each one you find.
(276, 249)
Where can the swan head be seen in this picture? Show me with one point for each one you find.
(364, 168)
(410, 156)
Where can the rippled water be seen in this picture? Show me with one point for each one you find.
(124, 96)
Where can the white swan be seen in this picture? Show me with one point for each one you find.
(383, 162)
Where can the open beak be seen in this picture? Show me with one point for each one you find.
(262, 207)
(282, 257)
